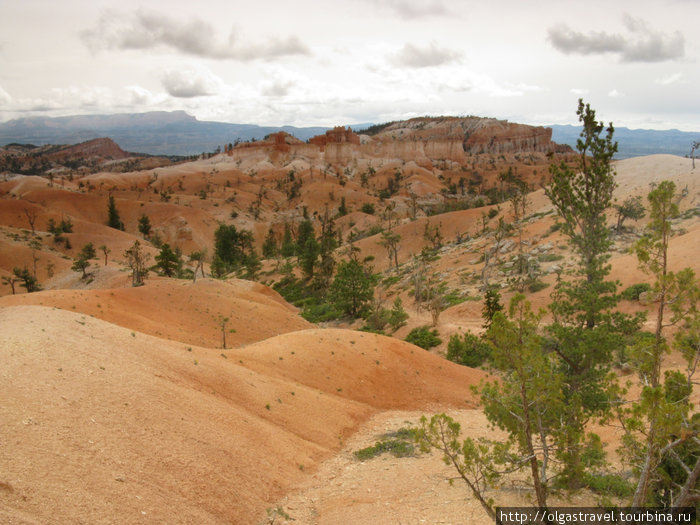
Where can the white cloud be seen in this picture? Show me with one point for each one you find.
(140, 96)
(579, 91)
(190, 82)
(615, 94)
(671, 79)
(5, 97)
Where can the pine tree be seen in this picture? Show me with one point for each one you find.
(232, 248)
(29, 281)
(269, 248)
(662, 414)
(527, 402)
(168, 261)
(492, 304)
(585, 331)
(145, 225)
(353, 288)
(82, 262)
(308, 257)
(113, 219)
(288, 247)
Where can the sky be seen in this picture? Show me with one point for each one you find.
(309, 63)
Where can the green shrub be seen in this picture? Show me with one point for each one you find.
(468, 350)
(633, 292)
(608, 484)
(454, 298)
(549, 257)
(400, 446)
(320, 312)
(536, 286)
(367, 208)
(424, 337)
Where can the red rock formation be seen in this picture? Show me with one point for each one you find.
(337, 135)
(505, 137)
(452, 138)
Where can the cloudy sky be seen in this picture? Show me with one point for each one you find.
(349, 61)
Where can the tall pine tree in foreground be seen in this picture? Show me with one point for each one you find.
(585, 331)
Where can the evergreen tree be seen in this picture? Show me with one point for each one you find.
(492, 304)
(82, 262)
(29, 281)
(308, 257)
(232, 249)
(527, 403)
(662, 415)
(306, 231)
(113, 219)
(269, 248)
(585, 331)
(288, 247)
(88, 251)
(342, 209)
(326, 246)
(81, 265)
(145, 225)
(353, 288)
(169, 262)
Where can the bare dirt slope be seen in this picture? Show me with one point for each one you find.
(180, 310)
(101, 424)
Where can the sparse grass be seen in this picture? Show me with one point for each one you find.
(400, 445)
(549, 257)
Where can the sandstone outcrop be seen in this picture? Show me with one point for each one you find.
(423, 140)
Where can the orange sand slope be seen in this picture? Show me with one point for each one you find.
(180, 310)
(101, 424)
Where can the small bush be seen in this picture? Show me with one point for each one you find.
(400, 446)
(633, 292)
(320, 312)
(424, 337)
(367, 208)
(468, 350)
(608, 484)
(536, 286)
(554, 228)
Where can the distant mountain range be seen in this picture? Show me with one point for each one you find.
(154, 133)
(177, 133)
(636, 142)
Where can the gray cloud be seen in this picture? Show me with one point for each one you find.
(410, 10)
(643, 44)
(278, 88)
(143, 30)
(188, 84)
(432, 55)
